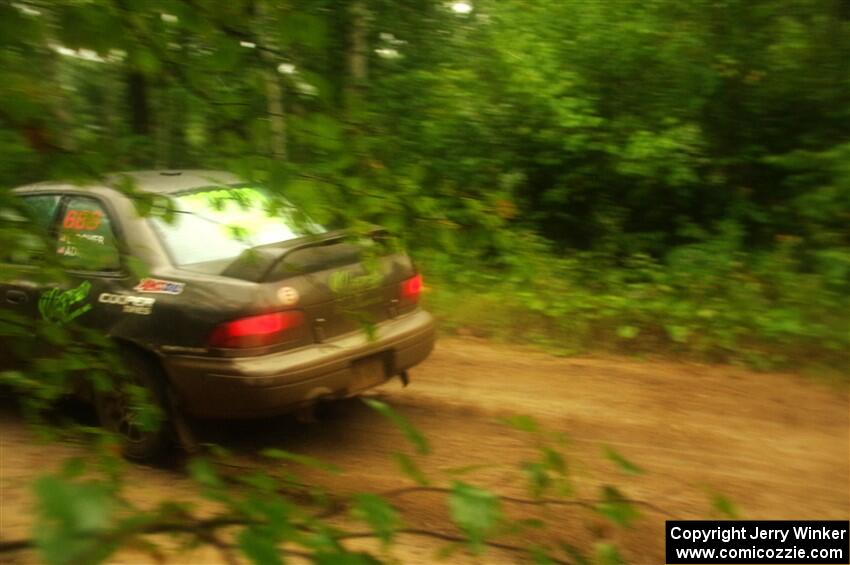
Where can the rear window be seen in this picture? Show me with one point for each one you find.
(217, 224)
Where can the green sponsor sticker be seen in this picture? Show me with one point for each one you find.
(61, 307)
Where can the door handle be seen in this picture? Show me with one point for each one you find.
(16, 296)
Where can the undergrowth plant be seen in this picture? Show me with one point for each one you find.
(711, 300)
(266, 513)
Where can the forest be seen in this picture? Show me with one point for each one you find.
(646, 178)
(638, 176)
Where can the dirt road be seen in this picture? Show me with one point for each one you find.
(777, 445)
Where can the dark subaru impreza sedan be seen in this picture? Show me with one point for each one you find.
(246, 309)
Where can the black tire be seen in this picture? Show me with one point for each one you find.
(113, 410)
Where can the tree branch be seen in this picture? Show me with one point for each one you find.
(446, 537)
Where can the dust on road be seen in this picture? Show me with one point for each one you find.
(777, 445)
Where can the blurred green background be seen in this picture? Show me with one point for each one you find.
(632, 176)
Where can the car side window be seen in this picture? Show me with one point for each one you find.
(38, 214)
(87, 241)
(42, 209)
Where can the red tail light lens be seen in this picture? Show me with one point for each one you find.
(255, 331)
(412, 288)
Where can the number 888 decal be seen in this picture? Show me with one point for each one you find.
(82, 220)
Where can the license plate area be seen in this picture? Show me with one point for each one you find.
(368, 372)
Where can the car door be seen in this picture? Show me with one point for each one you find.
(85, 248)
(89, 253)
(21, 268)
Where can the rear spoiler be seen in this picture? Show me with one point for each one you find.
(259, 263)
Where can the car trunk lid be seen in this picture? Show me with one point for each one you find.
(340, 283)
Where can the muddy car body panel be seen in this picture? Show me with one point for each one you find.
(253, 331)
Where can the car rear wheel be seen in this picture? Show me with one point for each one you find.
(119, 413)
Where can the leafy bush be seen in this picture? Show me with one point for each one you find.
(86, 516)
(709, 300)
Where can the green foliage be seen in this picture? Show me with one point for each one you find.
(607, 554)
(724, 506)
(146, 415)
(710, 300)
(71, 515)
(379, 514)
(599, 194)
(522, 422)
(305, 460)
(624, 464)
(345, 559)
(203, 472)
(549, 472)
(85, 517)
(260, 549)
(413, 435)
(476, 512)
(616, 507)
(411, 469)
(575, 554)
(632, 176)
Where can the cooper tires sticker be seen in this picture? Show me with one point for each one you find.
(141, 305)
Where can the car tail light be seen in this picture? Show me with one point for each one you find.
(411, 288)
(255, 331)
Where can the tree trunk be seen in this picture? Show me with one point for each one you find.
(139, 103)
(358, 54)
(62, 105)
(275, 93)
(277, 115)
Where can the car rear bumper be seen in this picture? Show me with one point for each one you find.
(245, 387)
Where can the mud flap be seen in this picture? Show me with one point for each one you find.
(184, 433)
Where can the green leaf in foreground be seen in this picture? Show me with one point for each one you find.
(628, 332)
(466, 469)
(413, 435)
(540, 556)
(344, 558)
(538, 478)
(575, 554)
(205, 474)
(616, 507)
(607, 554)
(522, 423)
(259, 548)
(475, 511)
(410, 468)
(306, 460)
(725, 506)
(378, 513)
(70, 516)
(624, 464)
(73, 467)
